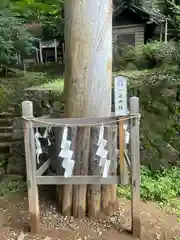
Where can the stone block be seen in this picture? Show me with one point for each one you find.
(16, 166)
(170, 155)
(17, 123)
(17, 133)
(57, 106)
(18, 149)
(2, 172)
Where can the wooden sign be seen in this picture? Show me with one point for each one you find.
(120, 94)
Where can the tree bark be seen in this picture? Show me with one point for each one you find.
(81, 168)
(64, 197)
(109, 195)
(88, 64)
(94, 191)
(59, 169)
(67, 189)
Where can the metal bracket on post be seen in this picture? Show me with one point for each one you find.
(136, 119)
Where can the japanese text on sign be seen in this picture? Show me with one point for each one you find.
(120, 94)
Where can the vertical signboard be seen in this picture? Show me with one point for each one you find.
(120, 95)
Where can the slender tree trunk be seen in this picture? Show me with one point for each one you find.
(88, 72)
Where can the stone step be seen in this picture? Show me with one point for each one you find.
(5, 144)
(8, 115)
(6, 129)
(4, 156)
(7, 136)
(13, 177)
(11, 109)
(5, 147)
(5, 121)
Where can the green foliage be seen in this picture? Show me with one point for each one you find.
(155, 8)
(169, 11)
(12, 88)
(47, 13)
(155, 54)
(161, 186)
(8, 187)
(146, 56)
(4, 97)
(14, 38)
(122, 55)
(36, 9)
(159, 102)
(4, 4)
(172, 13)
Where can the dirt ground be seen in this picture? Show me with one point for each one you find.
(156, 223)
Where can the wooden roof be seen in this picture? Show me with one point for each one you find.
(121, 5)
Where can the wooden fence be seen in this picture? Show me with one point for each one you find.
(91, 174)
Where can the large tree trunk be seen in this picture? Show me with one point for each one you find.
(88, 73)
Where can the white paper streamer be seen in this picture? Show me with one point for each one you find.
(65, 153)
(65, 163)
(48, 129)
(38, 146)
(64, 137)
(127, 135)
(65, 133)
(65, 144)
(102, 162)
(106, 168)
(101, 134)
(37, 136)
(101, 152)
(49, 143)
(46, 133)
(38, 153)
(69, 169)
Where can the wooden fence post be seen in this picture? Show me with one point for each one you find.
(59, 168)
(27, 112)
(122, 146)
(94, 191)
(135, 169)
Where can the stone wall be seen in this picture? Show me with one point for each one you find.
(16, 162)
